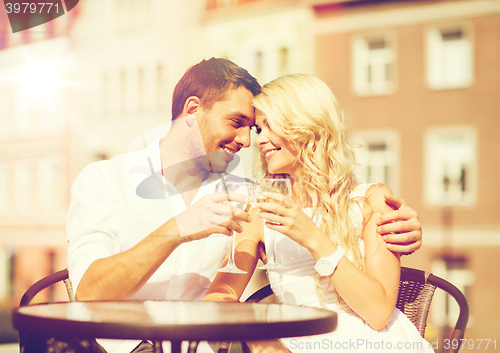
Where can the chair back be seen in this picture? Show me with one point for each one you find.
(416, 290)
(415, 296)
(46, 282)
(29, 295)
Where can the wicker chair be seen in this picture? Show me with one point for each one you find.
(416, 289)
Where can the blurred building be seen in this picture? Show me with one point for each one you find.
(419, 79)
(268, 38)
(35, 110)
(130, 56)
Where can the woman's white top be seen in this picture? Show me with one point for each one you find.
(295, 282)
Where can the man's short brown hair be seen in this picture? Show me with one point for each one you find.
(210, 80)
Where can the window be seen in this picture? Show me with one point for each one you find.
(449, 57)
(4, 30)
(50, 121)
(123, 92)
(115, 92)
(7, 259)
(373, 65)
(142, 9)
(160, 84)
(377, 156)
(25, 185)
(52, 177)
(6, 112)
(14, 38)
(60, 25)
(258, 64)
(38, 31)
(132, 15)
(140, 89)
(283, 60)
(123, 15)
(4, 279)
(450, 173)
(214, 4)
(223, 3)
(5, 185)
(25, 120)
(105, 93)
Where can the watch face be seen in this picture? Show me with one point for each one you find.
(327, 265)
(324, 268)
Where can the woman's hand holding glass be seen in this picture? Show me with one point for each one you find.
(286, 217)
(263, 191)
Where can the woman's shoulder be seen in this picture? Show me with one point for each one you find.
(360, 190)
(375, 196)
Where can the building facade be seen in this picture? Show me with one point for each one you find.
(35, 111)
(35, 105)
(419, 80)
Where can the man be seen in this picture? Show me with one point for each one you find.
(148, 237)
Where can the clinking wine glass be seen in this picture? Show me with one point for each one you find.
(280, 186)
(244, 188)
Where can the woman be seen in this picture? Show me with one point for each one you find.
(330, 221)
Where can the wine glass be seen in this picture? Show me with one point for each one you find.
(280, 186)
(244, 188)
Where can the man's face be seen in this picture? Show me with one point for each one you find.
(225, 128)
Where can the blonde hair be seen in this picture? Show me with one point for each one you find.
(304, 109)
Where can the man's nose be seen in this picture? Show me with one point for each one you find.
(243, 137)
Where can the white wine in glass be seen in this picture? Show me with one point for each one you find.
(244, 188)
(281, 186)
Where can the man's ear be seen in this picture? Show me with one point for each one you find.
(192, 105)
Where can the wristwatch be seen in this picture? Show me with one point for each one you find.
(327, 265)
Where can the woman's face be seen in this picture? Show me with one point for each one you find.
(278, 152)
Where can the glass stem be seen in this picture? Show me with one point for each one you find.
(231, 258)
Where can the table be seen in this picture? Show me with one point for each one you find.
(175, 321)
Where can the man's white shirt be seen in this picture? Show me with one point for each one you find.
(117, 203)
